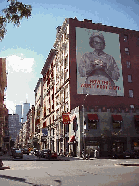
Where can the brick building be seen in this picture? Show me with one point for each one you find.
(4, 130)
(92, 72)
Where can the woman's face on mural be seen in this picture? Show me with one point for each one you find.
(98, 44)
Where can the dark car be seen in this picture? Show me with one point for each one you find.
(53, 155)
(26, 151)
(48, 154)
(18, 154)
(126, 154)
(118, 155)
(36, 152)
(13, 151)
(130, 154)
(43, 153)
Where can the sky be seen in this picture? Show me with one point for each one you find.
(26, 48)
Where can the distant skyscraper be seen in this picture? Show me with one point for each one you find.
(19, 111)
(13, 122)
(26, 107)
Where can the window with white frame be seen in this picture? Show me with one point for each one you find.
(128, 64)
(125, 38)
(132, 106)
(127, 51)
(131, 93)
(129, 78)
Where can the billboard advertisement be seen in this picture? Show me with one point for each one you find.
(99, 68)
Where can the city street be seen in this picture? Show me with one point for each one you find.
(78, 172)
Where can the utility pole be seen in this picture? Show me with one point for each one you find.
(83, 125)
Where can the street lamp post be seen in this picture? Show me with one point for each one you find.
(83, 125)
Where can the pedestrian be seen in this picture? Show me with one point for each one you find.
(61, 152)
(1, 164)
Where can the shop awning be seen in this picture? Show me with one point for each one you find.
(93, 117)
(136, 117)
(117, 118)
(72, 139)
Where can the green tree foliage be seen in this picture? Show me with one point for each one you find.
(14, 13)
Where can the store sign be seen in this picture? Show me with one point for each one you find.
(66, 118)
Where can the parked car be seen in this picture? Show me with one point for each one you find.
(126, 154)
(31, 152)
(48, 154)
(18, 153)
(43, 153)
(118, 155)
(13, 151)
(34, 150)
(53, 155)
(38, 152)
(131, 154)
(26, 151)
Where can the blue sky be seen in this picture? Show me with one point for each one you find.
(27, 47)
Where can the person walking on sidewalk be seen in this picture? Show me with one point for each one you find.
(1, 164)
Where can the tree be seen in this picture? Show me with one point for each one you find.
(14, 13)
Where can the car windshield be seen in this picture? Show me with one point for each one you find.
(45, 150)
(18, 151)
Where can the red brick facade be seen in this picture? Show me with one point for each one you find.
(107, 101)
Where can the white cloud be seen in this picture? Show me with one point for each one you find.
(20, 76)
(19, 63)
(10, 106)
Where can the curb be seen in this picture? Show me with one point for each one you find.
(133, 164)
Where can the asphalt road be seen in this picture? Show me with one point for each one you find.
(96, 172)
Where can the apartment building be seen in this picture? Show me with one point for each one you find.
(92, 76)
(38, 112)
(30, 125)
(4, 134)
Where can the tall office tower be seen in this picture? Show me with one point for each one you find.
(13, 122)
(26, 107)
(19, 111)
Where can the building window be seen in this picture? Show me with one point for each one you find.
(127, 51)
(125, 38)
(132, 106)
(92, 124)
(131, 93)
(129, 78)
(67, 128)
(117, 125)
(128, 64)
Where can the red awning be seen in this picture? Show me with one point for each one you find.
(136, 117)
(117, 118)
(92, 117)
(72, 139)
